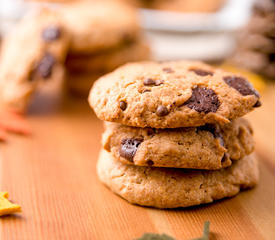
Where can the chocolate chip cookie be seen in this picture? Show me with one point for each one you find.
(171, 95)
(106, 61)
(205, 147)
(32, 54)
(173, 188)
(97, 25)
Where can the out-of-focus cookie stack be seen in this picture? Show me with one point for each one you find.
(32, 54)
(175, 136)
(256, 42)
(84, 39)
(105, 35)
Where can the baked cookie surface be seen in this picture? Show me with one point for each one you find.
(97, 25)
(206, 147)
(171, 95)
(173, 188)
(32, 54)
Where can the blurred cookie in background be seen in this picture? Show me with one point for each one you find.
(97, 25)
(256, 42)
(31, 55)
(104, 35)
(84, 39)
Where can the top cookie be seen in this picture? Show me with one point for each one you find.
(171, 95)
(97, 25)
(32, 53)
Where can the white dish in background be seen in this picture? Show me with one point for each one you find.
(232, 16)
(196, 36)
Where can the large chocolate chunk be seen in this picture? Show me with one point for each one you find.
(203, 100)
(128, 148)
(241, 85)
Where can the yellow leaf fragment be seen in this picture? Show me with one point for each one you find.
(6, 207)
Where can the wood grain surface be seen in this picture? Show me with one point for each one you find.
(52, 175)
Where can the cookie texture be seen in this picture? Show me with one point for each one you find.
(171, 95)
(108, 60)
(97, 25)
(173, 188)
(32, 54)
(206, 147)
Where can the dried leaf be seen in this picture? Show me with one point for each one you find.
(153, 236)
(6, 207)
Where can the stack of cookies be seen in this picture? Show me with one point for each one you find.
(80, 41)
(32, 54)
(175, 136)
(256, 43)
(105, 35)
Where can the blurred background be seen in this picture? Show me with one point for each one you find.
(53, 172)
(229, 33)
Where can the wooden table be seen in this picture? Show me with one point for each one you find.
(52, 175)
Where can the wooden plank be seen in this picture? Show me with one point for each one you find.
(52, 175)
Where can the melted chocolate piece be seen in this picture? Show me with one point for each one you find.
(241, 85)
(128, 148)
(203, 100)
(257, 104)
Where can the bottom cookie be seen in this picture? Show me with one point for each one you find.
(173, 188)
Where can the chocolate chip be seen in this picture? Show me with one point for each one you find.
(129, 148)
(241, 85)
(122, 105)
(150, 131)
(152, 82)
(257, 104)
(146, 90)
(168, 70)
(44, 67)
(162, 111)
(149, 82)
(150, 163)
(159, 82)
(51, 33)
(203, 100)
(214, 129)
(201, 72)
